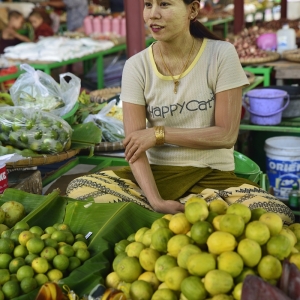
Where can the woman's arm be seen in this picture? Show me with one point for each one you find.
(222, 135)
(135, 120)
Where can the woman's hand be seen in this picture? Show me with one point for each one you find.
(138, 142)
(168, 206)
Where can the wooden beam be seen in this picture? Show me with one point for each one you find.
(283, 9)
(239, 18)
(135, 28)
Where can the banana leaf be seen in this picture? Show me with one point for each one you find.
(109, 223)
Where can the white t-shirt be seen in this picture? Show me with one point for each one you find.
(216, 68)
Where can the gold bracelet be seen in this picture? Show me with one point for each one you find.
(159, 135)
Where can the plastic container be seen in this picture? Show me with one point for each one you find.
(3, 179)
(283, 164)
(294, 197)
(123, 27)
(116, 26)
(88, 25)
(267, 41)
(266, 106)
(293, 109)
(286, 39)
(107, 25)
(97, 24)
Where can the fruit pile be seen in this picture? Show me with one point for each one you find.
(204, 253)
(30, 257)
(32, 129)
(11, 212)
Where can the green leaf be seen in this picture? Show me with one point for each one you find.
(86, 133)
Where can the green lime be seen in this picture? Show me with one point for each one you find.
(61, 262)
(11, 289)
(35, 245)
(5, 259)
(37, 230)
(20, 251)
(28, 285)
(25, 272)
(4, 276)
(6, 246)
(74, 263)
(15, 264)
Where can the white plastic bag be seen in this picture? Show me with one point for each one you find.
(39, 90)
(112, 129)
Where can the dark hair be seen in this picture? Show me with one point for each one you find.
(35, 14)
(40, 13)
(14, 14)
(198, 30)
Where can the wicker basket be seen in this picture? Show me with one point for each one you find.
(292, 55)
(101, 96)
(43, 159)
(271, 56)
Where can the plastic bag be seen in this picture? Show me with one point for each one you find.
(27, 128)
(39, 90)
(112, 129)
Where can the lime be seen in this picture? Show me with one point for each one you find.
(4, 276)
(134, 249)
(3, 228)
(129, 269)
(175, 276)
(28, 285)
(201, 263)
(63, 226)
(120, 246)
(218, 282)
(35, 245)
(5, 259)
(160, 238)
(233, 224)
(185, 253)
(218, 206)
(179, 224)
(193, 288)
(151, 278)
(41, 279)
(51, 243)
(20, 251)
(164, 294)
(250, 251)
(148, 258)
(25, 236)
(48, 253)
(216, 222)
(66, 250)
(74, 263)
(69, 237)
(37, 230)
(237, 291)
(139, 234)
(25, 272)
(147, 238)
(29, 258)
(40, 265)
(46, 236)
(15, 236)
(240, 209)
(273, 221)
(269, 267)
(256, 213)
(177, 242)
(50, 230)
(54, 275)
(79, 245)
(60, 262)
(211, 216)
(196, 211)
(83, 254)
(141, 290)
(289, 234)
(200, 232)
(59, 236)
(117, 259)
(295, 259)
(131, 237)
(15, 264)
(163, 264)
(6, 246)
(231, 262)
(112, 280)
(257, 231)
(279, 246)
(219, 242)
(11, 289)
(160, 223)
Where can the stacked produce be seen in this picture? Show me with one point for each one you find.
(34, 129)
(204, 253)
(31, 257)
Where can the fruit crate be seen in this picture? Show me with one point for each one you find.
(108, 223)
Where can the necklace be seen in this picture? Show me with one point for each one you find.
(177, 81)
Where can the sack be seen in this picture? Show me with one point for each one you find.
(112, 129)
(39, 90)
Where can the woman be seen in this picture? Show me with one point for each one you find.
(188, 85)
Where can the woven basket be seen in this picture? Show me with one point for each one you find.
(271, 56)
(101, 96)
(292, 55)
(43, 159)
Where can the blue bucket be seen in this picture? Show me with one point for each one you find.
(266, 105)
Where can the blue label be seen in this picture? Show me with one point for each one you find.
(282, 176)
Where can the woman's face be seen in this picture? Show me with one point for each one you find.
(17, 22)
(167, 19)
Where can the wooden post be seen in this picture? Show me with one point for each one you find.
(239, 18)
(283, 9)
(135, 28)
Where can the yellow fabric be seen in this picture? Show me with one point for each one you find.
(108, 187)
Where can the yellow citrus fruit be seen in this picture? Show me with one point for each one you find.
(240, 209)
(289, 234)
(216, 222)
(200, 232)
(279, 246)
(219, 206)
(112, 280)
(117, 259)
(163, 285)
(164, 294)
(273, 221)
(193, 288)
(148, 258)
(231, 262)
(134, 249)
(139, 234)
(168, 216)
(221, 297)
(160, 223)
(129, 269)
(269, 267)
(256, 213)
(185, 253)
(294, 226)
(237, 291)
(295, 259)
(40, 265)
(250, 251)
(246, 271)
(220, 241)
(125, 288)
(174, 277)
(160, 238)
(233, 224)
(163, 264)
(25, 236)
(257, 231)
(196, 211)
(201, 263)
(179, 224)
(176, 243)
(218, 282)
(147, 238)
(140, 289)
(195, 199)
(151, 278)
(55, 275)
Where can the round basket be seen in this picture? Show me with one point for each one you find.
(271, 56)
(43, 159)
(250, 76)
(101, 96)
(292, 55)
